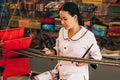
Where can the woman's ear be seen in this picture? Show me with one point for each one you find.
(76, 17)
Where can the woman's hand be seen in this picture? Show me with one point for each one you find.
(48, 51)
(80, 64)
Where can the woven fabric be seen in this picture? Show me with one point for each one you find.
(3, 61)
(9, 34)
(15, 44)
(16, 66)
(47, 20)
(12, 62)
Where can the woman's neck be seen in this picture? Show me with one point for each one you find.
(73, 31)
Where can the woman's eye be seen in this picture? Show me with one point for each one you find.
(65, 19)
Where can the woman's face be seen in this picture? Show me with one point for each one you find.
(66, 19)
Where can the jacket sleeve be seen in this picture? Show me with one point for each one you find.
(95, 52)
(57, 42)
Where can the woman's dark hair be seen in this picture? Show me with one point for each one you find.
(72, 9)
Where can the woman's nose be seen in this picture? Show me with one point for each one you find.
(62, 22)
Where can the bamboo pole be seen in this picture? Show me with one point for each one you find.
(37, 53)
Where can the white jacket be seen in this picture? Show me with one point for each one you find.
(76, 47)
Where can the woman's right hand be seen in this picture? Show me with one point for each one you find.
(80, 64)
(48, 51)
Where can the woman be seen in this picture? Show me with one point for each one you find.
(74, 40)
